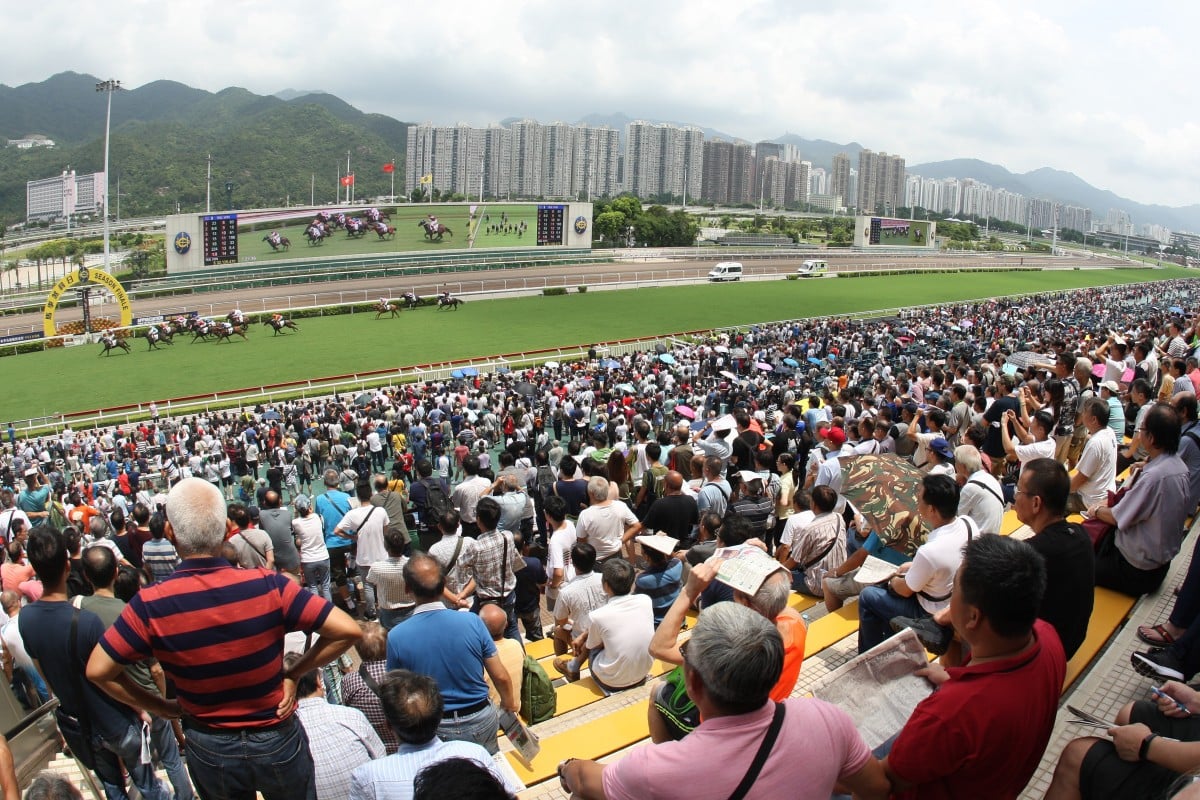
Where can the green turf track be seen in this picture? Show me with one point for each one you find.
(75, 379)
(409, 237)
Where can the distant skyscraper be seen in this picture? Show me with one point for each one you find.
(880, 183)
(56, 198)
(839, 179)
(728, 172)
(659, 159)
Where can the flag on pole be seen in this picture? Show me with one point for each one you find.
(348, 180)
(389, 167)
(427, 178)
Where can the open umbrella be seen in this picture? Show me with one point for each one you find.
(1127, 376)
(791, 362)
(626, 387)
(728, 374)
(364, 399)
(552, 364)
(666, 358)
(610, 363)
(884, 489)
(814, 361)
(687, 412)
(458, 373)
(469, 372)
(832, 356)
(740, 352)
(660, 348)
(764, 366)
(502, 370)
(1176, 310)
(525, 388)
(720, 348)
(271, 414)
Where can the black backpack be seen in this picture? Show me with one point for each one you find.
(437, 502)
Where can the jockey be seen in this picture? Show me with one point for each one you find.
(383, 302)
(433, 223)
(276, 318)
(273, 237)
(228, 326)
(152, 331)
(236, 316)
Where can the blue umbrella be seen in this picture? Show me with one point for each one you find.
(815, 361)
(469, 372)
(832, 357)
(1176, 309)
(502, 370)
(610, 363)
(458, 373)
(666, 358)
(626, 387)
(791, 362)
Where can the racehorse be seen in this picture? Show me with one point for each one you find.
(433, 232)
(316, 233)
(226, 331)
(411, 300)
(375, 215)
(200, 328)
(154, 337)
(237, 317)
(383, 307)
(113, 343)
(277, 242)
(278, 323)
(355, 228)
(450, 302)
(384, 230)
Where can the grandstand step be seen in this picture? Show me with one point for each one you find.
(831, 629)
(596, 739)
(540, 649)
(1109, 612)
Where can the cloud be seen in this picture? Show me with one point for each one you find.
(1084, 87)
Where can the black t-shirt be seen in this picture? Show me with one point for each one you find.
(993, 445)
(1070, 581)
(45, 628)
(574, 493)
(529, 578)
(673, 514)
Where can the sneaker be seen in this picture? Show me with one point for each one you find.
(936, 638)
(1158, 664)
(563, 665)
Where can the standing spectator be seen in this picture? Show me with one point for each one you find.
(339, 738)
(467, 494)
(365, 526)
(531, 583)
(494, 564)
(159, 557)
(386, 579)
(252, 545)
(455, 650)
(331, 507)
(245, 738)
(310, 541)
(276, 521)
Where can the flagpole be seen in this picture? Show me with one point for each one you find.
(312, 197)
(349, 186)
(392, 175)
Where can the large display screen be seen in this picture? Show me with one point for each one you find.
(550, 224)
(899, 232)
(220, 239)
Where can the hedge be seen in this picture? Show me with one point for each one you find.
(554, 291)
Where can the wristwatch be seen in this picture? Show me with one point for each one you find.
(1144, 750)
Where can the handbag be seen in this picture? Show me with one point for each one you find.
(1097, 529)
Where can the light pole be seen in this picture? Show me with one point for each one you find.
(108, 87)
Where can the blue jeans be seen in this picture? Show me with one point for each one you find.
(480, 728)
(876, 607)
(237, 764)
(128, 748)
(316, 577)
(391, 617)
(166, 748)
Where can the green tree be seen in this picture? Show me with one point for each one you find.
(628, 205)
(610, 225)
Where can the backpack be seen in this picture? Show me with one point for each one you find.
(437, 502)
(538, 700)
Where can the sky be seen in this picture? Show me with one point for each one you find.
(1101, 89)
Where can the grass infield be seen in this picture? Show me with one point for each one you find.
(76, 378)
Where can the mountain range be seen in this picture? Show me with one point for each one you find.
(293, 145)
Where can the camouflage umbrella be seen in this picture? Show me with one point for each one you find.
(884, 490)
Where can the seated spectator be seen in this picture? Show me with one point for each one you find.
(922, 587)
(663, 575)
(970, 738)
(1154, 747)
(672, 713)
(461, 778)
(413, 706)
(582, 595)
(980, 496)
(754, 504)
(1149, 518)
(730, 664)
(619, 632)
(512, 655)
(813, 543)
(941, 458)
(360, 688)
(1096, 473)
(339, 738)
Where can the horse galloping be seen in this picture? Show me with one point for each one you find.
(316, 233)
(384, 307)
(113, 343)
(277, 242)
(450, 302)
(278, 322)
(200, 329)
(434, 230)
(384, 230)
(227, 330)
(411, 300)
(355, 228)
(154, 337)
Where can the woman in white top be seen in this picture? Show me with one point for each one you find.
(310, 541)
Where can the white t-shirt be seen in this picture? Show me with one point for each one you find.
(558, 555)
(936, 562)
(982, 500)
(603, 526)
(311, 538)
(1099, 463)
(370, 537)
(578, 599)
(1028, 452)
(623, 627)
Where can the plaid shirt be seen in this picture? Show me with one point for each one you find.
(493, 578)
(388, 579)
(341, 739)
(443, 550)
(356, 694)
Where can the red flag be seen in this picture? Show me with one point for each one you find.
(389, 167)
(348, 180)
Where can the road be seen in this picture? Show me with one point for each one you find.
(496, 281)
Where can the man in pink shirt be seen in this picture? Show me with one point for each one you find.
(731, 663)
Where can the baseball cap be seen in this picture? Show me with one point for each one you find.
(1112, 386)
(301, 502)
(942, 448)
(834, 435)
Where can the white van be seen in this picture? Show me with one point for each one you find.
(812, 267)
(726, 271)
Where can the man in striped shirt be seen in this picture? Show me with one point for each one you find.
(218, 633)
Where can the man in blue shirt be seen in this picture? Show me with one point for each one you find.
(453, 648)
(332, 506)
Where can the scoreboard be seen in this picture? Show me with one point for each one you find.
(220, 239)
(550, 224)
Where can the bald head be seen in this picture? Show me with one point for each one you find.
(425, 578)
(495, 619)
(672, 483)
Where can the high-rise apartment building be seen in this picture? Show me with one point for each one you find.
(839, 179)
(728, 172)
(663, 159)
(880, 183)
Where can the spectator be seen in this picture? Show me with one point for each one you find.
(619, 632)
(980, 495)
(459, 777)
(531, 583)
(582, 595)
(663, 575)
(360, 688)
(386, 579)
(606, 524)
(159, 557)
(493, 564)
(310, 541)
(1096, 473)
(331, 506)
(512, 655)
(364, 525)
(276, 521)
(813, 542)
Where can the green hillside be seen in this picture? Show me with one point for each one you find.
(270, 149)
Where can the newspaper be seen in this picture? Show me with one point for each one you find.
(505, 769)
(874, 570)
(745, 567)
(878, 688)
(523, 740)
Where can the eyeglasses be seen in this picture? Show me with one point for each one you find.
(683, 650)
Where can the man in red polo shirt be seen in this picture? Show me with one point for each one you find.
(218, 633)
(983, 731)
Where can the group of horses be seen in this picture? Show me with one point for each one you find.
(373, 220)
(201, 329)
(410, 300)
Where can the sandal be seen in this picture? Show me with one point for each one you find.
(1164, 636)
